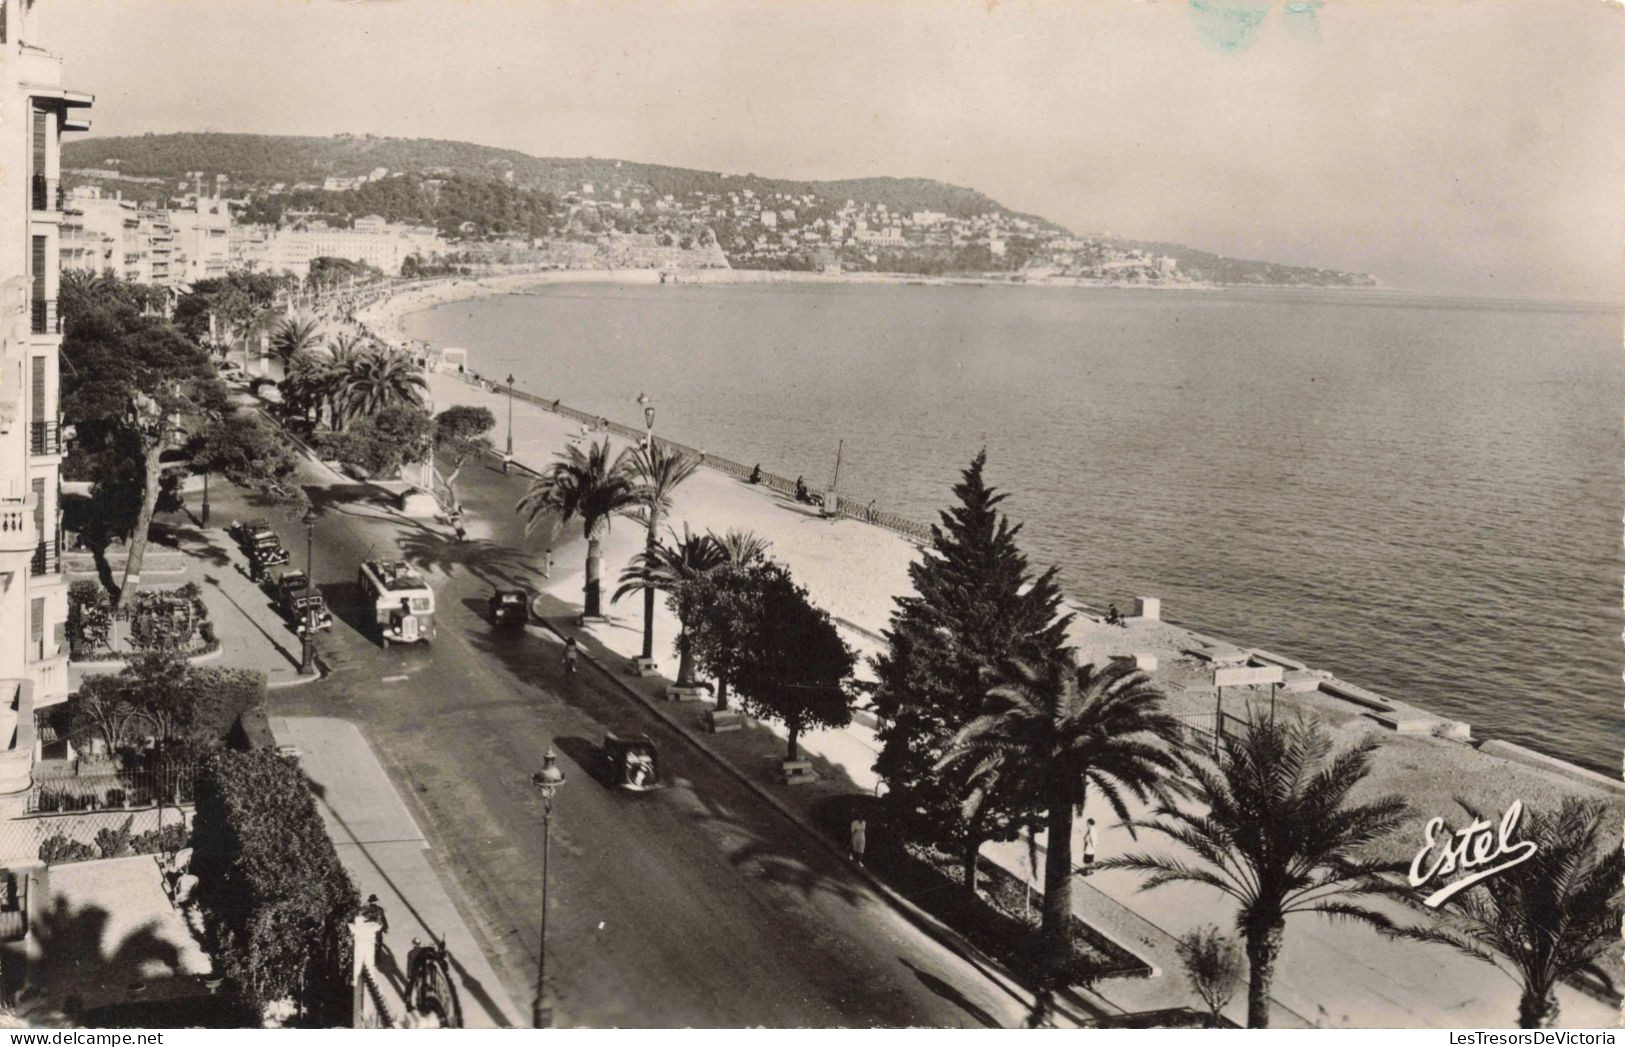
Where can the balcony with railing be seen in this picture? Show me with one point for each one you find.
(45, 194)
(17, 528)
(43, 316)
(47, 559)
(44, 438)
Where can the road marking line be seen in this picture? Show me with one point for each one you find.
(395, 679)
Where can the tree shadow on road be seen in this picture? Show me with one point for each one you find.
(490, 562)
(951, 994)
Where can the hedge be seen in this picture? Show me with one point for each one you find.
(274, 896)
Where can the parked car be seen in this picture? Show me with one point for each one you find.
(510, 607)
(633, 763)
(245, 530)
(267, 552)
(309, 609)
(289, 586)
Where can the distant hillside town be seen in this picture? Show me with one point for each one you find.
(174, 208)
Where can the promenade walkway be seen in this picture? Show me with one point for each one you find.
(381, 845)
(1331, 974)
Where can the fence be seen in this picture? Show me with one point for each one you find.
(1199, 730)
(86, 836)
(123, 790)
(910, 529)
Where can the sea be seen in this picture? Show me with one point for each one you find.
(1421, 495)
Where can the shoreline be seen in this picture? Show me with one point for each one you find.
(1162, 640)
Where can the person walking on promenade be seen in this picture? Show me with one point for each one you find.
(570, 650)
(547, 563)
(859, 840)
(373, 912)
(756, 474)
(1088, 848)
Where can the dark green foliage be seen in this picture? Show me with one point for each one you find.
(115, 843)
(59, 849)
(235, 299)
(159, 695)
(973, 611)
(1053, 733)
(723, 605)
(251, 453)
(1215, 966)
(90, 618)
(167, 619)
(792, 665)
(270, 884)
(381, 444)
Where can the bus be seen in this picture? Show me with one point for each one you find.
(402, 602)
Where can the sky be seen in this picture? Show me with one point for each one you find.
(1447, 147)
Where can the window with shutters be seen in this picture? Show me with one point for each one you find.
(41, 126)
(37, 269)
(37, 376)
(36, 628)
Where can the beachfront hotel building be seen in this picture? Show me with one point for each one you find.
(34, 112)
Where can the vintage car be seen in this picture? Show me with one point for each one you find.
(267, 551)
(510, 607)
(308, 610)
(633, 763)
(288, 586)
(244, 531)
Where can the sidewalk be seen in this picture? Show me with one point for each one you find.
(251, 631)
(381, 845)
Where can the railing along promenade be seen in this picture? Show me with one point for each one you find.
(910, 529)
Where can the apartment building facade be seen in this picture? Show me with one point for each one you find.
(35, 110)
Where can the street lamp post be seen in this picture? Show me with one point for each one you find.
(507, 458)
(307, 661)
(204, 517)
(649, 428)
(548, 780)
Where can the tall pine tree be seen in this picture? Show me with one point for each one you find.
(976, 606)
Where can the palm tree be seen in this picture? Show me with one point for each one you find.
(663, 567)
(381, 379)
(590, 485)
(660, 471)
(1276, 831)
(345, 354)
(741, 548)
(1056, 731)
(295, 335)
(1549, 917)
(305, 387)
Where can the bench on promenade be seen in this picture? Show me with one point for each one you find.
(797, 772)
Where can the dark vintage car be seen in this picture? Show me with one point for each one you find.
(308, 610)
(267, 552)
(245, 531)
(289, 585)
(510, 607)
(633, 762)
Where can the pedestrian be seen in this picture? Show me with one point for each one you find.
(1088, 847)
(547, 563)
(859, 840)
(373, 912)
(570, 655)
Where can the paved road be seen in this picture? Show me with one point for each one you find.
(693, 906)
